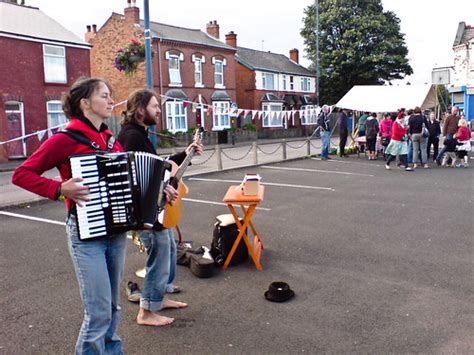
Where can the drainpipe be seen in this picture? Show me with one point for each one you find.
(161, 84)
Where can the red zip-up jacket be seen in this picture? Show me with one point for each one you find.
(55, 152)
(398, 131)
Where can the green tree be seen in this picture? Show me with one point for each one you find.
(359, 44)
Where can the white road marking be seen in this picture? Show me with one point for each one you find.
(50, 221)
(314, 171)
(219, 203)
(268, 184)
(340, 161)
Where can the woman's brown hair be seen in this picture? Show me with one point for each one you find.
(138, 99)
(83, 88)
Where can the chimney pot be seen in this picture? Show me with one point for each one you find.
(212, 29)
(132, 13)
(294, 55)
(94, 29)
(231, 39)
(88, 28)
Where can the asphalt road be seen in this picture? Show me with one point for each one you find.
(380, 262)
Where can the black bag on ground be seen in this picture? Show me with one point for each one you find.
(225, 234)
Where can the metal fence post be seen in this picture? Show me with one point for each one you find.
(254, 149)
(283, 148)
(218, 157)
(308, 147)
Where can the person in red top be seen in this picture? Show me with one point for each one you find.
(98, 262)
(386, 131)
(398, 143)
(463, 136)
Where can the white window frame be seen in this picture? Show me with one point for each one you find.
(54, 65)
(172, 116)
(220, 115)
(198, 72)
(53, 122)
(174, 73)
(265, 77)
(306, 84)
(309, 116)
(219, 83)
(267, 108)
(284, 86)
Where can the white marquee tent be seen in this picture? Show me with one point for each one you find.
(377, 98)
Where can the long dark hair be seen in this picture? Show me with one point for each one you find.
(83, 88)
(137, 99)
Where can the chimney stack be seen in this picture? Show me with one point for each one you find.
(231, 39)
(90, 34)
(294, 55)
(132, 13)
(212, 29)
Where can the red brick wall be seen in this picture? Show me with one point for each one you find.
(117, 32)
(187, 75)
(23, 78)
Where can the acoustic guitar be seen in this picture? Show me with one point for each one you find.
(172, 212)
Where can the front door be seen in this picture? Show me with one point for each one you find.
(201, 116)
(15, 129)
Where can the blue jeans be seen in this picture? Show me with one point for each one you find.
(99, 265)
(160, 266)
(325, 137)
(410, 152)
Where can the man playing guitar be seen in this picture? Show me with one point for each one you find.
(143, 110)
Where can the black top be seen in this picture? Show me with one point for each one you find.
(434, 128)
(416, 123)
(133, 137)
(342, 122)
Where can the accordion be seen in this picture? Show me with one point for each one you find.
(126, 191)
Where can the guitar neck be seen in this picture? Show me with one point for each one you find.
(184, 165)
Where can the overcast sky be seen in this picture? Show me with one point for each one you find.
(429, 26)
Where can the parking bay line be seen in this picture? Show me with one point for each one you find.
(50, 221)
(268, 184)
(315, 171)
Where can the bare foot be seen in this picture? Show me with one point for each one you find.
(172, 304)
(150, 318)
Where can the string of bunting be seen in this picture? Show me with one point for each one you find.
(235, 112)
(41, 133)
(282, 114)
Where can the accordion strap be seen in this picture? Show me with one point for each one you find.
(81, 138)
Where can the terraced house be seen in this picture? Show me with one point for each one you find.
(192, 69)
(40, 59)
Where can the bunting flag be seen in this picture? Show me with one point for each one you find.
(194, 107)
(185, 104)
(239, 112)
(254, 112)
(209, 110)
(41, 135)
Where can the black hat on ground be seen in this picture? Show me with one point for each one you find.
(279, 291)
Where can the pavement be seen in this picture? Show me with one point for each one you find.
(233, 156)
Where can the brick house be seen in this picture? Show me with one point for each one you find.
(40, 60)
(187, 64)
(272, 83)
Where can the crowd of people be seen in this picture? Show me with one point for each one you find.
(412, 136)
